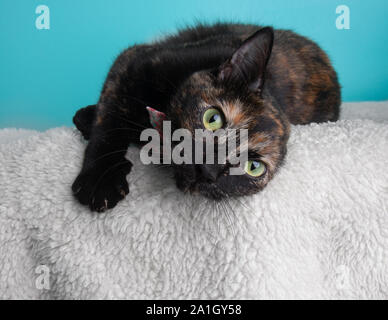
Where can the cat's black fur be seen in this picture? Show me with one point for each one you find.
(261, 80)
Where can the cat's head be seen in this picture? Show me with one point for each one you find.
(230, 97)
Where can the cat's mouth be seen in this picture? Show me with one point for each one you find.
(209, 190)
(190, 180)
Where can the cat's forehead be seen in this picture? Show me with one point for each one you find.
(200, 83)
(237, 114)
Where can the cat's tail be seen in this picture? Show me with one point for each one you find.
(83, 120)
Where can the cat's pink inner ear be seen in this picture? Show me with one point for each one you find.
(156, 118)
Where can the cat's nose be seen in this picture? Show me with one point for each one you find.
(209, 171)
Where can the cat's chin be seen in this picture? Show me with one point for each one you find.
(208, 190)
(190, 183)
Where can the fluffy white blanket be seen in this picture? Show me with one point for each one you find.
(319, 229)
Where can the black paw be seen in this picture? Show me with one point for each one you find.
(83, 120)
(102, 187)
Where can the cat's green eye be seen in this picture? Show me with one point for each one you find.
(254, 168)
(212, 119)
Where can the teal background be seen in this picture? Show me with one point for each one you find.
(46, 75)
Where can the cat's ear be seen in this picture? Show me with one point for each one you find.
(248, 62)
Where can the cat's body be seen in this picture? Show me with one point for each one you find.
(200, 67)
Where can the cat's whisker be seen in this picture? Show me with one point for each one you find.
(219, 216)
(169, 81)
(235, 217)
(122, 129)
(241, 203)
(137, 99)
(127, 120)
(109, 154)
(228, 217)
(104, 173)
(227, 209)
(158, 89)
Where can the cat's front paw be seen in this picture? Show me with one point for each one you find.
(102, 187)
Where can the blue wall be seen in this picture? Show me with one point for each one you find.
(46, 75)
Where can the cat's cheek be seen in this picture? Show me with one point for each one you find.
(182, 185)
(211, 191)
(242, 185)
(184, 177)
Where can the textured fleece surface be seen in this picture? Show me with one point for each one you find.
(318, 230)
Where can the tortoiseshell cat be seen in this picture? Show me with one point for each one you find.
(253, 77)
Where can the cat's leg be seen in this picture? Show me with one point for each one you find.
(136, 80)
(83, 120)
(102, 181)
